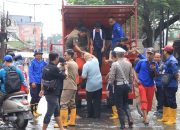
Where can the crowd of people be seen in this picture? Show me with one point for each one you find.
(57, 80)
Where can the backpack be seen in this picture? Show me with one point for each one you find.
(13, 82)
(49, 85)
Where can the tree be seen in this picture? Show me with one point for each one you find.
(154, 14)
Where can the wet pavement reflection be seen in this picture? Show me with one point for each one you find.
(104, 123)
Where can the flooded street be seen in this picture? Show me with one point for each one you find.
(104, 123)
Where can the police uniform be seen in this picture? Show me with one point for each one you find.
(122, 81)
(35, 75)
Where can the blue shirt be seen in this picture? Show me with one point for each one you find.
(144, 72)
(159, 77)
(3, 77)
(171, 67)
(117, 33)
(92, 72)
(35, 71)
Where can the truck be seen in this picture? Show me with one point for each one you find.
(125, 14)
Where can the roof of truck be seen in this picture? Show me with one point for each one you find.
(89, 14)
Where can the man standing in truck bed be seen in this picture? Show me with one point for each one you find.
(74, 38)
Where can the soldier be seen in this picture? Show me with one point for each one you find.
(35, 74)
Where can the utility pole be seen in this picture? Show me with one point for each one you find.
(3, 34)
(42, 42)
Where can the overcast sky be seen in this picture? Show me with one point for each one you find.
(49, 15)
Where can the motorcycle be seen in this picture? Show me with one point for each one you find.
(16, 110)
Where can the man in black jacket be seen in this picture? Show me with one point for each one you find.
(52, 91)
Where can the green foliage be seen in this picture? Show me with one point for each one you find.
(98, 2)
(16, 44)
(86, 2)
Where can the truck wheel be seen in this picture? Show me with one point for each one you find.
(21, 123)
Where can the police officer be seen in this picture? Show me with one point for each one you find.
(35, 73)
(170, 84)
(121, 74)
(110, 92)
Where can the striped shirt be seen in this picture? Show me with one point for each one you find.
(116, 75)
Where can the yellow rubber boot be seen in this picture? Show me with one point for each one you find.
(38, 114)
(165, 116)
(33, 110)
(114, 113)
(72, 117)
(64, 117)
(172, 118)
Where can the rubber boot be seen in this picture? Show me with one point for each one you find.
(64, 117)
(72, 117)
(165, 114)
(33, 110)
(114, 113)
(38, 114)
(172, 117)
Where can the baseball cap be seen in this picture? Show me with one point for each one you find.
(168, 48)
(119, 50)
(37, 51)
(8, 58)
(150, 50)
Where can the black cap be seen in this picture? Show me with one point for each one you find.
(18, 57)
(62, 60)
(97, 25)
(83, 29)
(11, 53)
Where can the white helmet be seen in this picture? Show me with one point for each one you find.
(119, 50)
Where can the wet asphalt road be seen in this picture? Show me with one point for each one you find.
(104, 123)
